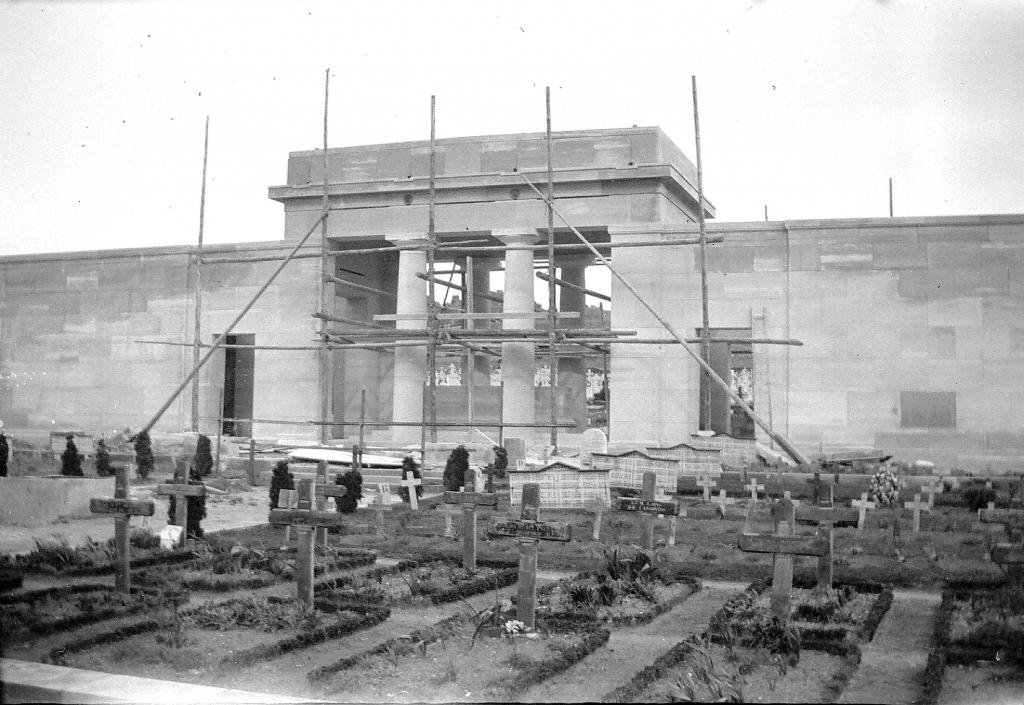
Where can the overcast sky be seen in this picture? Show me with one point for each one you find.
(808, 107)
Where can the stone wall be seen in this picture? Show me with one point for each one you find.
(884, 307)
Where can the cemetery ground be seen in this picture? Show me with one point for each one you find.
(396, 617)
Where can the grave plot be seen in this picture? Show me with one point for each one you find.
(223, 567)
(979, 646)
(34, 613)
(437, 579)
(59, 558)
(216, 637)
(628, 590)
(747, 655)
(464, 658)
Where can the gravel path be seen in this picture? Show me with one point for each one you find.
(892, 664)
(631, 649)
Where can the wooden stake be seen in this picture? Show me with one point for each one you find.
(198, 281)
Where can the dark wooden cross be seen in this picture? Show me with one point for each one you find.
(648, 507)
(819, 488)
(304, 518)
(528, 529)
(826, 519)
(783, 545)
(470, 499)
(323, 490)
(1011, 519)
(123, 508)
(180, 489)
(1011, 558)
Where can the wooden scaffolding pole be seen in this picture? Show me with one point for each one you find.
(431, 303)
(783, 442)
(552, 312)
(705, 345)
(326, 297)
(198, 282)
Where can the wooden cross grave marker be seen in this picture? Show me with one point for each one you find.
(411, 482)
(304, 518)
(383, 502)
(754, 488)
(180, 489)
(932, 489)
(287, 499)
(322, 491)
(917, 505)
(1011, 558)
(470, 499)
(708, 484)
(648, 507)
(528, 529)
(862, 505)
(123, 508)
(819, 488)
(826, 519)
(783, 545)
(1011, 519)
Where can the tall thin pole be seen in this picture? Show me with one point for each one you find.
(326, 368)
(766, 212)
(705, 387)
(470, 372)
(431, 304)
(890, 196)
(199, 282)
(552, 313)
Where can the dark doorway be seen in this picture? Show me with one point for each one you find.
(239, 367)
(733, 362)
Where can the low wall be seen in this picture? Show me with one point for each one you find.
(37, 501)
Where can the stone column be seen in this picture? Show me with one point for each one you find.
(410, 372)
(572, 371)
(517, 359)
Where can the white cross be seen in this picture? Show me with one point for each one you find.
(864, 505)
(917, 505)
(707, 483)
(723, 500)
(932, 489)
(411, 482)
(753, 487)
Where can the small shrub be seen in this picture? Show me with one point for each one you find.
(5, 450)
(143, 539)
(103, 468)
(352, 480)
(204, 457)
(455, 469)
(500, 462)
(976, 498)
(70, 460)
(196, 507)
(409, 467)
(280, 479)
(143, 454)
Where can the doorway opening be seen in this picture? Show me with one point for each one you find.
(733, 362)
(239, 368)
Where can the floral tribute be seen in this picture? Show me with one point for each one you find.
(885, 487)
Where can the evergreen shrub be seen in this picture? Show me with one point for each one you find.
(103, 468)
(196, 507)
(353, 481)
(70, 460)
(5, 450)
(280, 479)
(143, 454)
(455, 469)
(204, 456)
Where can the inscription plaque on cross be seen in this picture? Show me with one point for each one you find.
(783, 546)
(528, 529)
(305, 519)
(648, 507)
(122, 507)
(180, 489)
(470, 499)
(322, 491)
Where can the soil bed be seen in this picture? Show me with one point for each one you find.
(446, 663)
(214, 636)
(620, 603)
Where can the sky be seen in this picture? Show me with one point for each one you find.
(807, 108)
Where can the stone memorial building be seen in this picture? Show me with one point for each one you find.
(912, 328)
